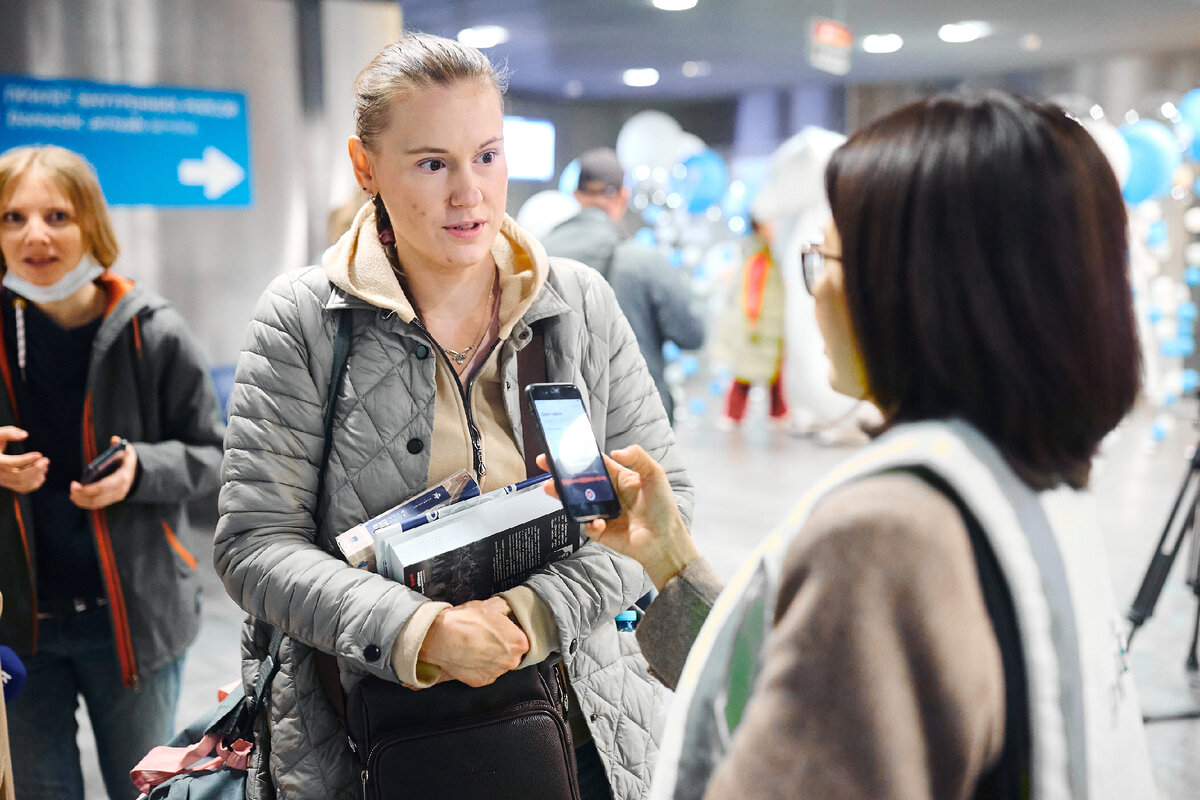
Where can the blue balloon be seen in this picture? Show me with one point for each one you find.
(675, 257)
(704, 180)
(652, 214)
(1186, 310)
(689, 364)
(670, 350)
(568, 181)
(698, 405)
(1157, 234)
(1158, 432)
(1153, 159)
(1191, 380)
(1154, 313)
(1189, 110)
(646, 236)
(716, 387)
(1191, 276)
(1186, 329)
(1170, 399)
(1186, 345)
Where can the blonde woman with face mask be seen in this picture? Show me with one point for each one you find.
(101, 593)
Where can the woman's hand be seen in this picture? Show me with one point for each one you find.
(108, 490)
(650, 529)
(22, 473)
(475, 642)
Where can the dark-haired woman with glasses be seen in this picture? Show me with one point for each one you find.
(934, 619)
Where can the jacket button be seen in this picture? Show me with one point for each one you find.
(422, 351)
(593, 717)
(573, 646)
(371, 652)
(415, 446)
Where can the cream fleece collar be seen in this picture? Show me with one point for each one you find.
(357, 265)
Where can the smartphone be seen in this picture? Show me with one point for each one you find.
(571, 448)
(104, 464)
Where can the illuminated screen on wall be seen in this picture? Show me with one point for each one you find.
(529, 148)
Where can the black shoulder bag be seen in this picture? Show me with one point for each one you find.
(505, 741)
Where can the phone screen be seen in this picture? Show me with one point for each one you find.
(574, 456)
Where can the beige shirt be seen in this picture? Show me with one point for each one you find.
(521, 267)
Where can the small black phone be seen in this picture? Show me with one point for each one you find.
(571, 449)
(104, 464)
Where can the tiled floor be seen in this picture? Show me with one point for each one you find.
(748, 479)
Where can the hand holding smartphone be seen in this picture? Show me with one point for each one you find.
(572, 452)
(104, 464)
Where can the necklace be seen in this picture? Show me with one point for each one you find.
(459, 357)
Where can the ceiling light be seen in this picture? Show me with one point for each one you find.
(674, 5)
(882, 42)
(1131, 116)
(481, 37)
(696, 69)
(1168, 110)
(640, 77)
(1031, 42)
(959, 32)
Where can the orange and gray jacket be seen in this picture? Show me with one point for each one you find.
(148, 382)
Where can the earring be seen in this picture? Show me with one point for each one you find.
(383, 223)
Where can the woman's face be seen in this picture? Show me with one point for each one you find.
(40, 235)
(846, 373)
(440, 169)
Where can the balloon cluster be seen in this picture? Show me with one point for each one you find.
(1155, 156)
(689, 207)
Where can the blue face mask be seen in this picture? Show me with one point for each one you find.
(84, 273)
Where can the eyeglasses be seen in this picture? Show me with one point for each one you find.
(812, 264)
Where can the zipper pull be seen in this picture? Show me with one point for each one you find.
(19, 308)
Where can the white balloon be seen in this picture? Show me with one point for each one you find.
(687, 145)
(1112, 144)
(545, 211)
(1192, 254)
(650, 138)
(1191, 220)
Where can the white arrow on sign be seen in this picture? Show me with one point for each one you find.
(215, 171)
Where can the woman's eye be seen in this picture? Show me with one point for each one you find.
(489, 157)
(433, 164)
(58, 217)
(11, 218)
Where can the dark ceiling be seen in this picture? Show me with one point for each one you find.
(560, 47)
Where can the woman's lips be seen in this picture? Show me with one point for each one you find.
(465, 230)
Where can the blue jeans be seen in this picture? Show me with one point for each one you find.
(77, 656)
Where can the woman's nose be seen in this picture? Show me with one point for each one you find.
(36, 230)
(465, 193)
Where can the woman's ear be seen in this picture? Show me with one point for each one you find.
(360, 159)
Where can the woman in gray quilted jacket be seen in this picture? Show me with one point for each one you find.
(443, 290)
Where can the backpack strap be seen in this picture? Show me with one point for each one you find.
(531, 368)
(325, 663)
(1009, 778)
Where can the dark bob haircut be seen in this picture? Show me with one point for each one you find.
(985, 260)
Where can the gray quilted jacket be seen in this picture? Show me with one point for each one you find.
(273, 554)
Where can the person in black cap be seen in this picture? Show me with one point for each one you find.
(652, 294)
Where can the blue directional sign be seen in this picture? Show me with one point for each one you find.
(150, 145)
